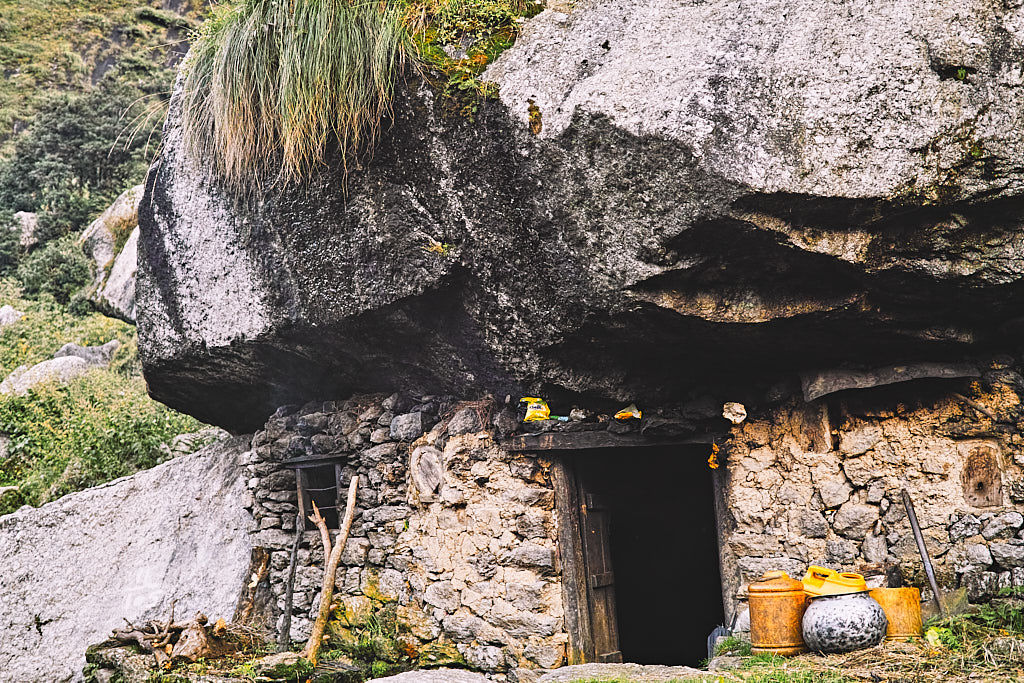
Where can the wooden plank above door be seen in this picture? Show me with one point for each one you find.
(573, 441)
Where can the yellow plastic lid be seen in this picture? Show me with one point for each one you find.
(823, 581)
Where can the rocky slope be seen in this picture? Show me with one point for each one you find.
(73, 569)
(664, 196)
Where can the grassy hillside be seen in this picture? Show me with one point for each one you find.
(60, 439)
(85, 89)
(67, 46)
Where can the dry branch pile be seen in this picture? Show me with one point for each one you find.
(175, 643)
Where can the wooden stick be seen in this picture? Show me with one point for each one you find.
(977, 406)
(325, 534)
(331, 566)
(284, 638)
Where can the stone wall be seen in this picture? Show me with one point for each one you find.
(452, 533)
(820, 483)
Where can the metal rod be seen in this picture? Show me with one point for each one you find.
(928, 570)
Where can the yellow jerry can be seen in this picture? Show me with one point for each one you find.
(822, 581)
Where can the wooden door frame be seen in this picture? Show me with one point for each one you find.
(575, 580)
(574, 569)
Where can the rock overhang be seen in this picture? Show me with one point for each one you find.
(605, 258)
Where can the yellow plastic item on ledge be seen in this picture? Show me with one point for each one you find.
(822, 581)
(630, 412)
(536, 409)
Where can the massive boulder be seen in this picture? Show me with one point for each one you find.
(74, 569)
(664, 195)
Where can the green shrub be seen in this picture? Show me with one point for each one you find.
(97, 428)
(10, 243)
(81, 151)
(271, 87)
(59, 269)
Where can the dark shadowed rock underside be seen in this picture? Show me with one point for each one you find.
(719, 190)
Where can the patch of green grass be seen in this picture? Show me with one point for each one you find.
(733, 646)
(101, 426)
(274, 87)
(482, 29)
(769, 668)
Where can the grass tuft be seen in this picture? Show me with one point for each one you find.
(272, 87)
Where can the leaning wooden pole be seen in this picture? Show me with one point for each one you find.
(332, 557)
(929, 571)
(284, 638)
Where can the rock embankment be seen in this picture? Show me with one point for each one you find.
(75, 568)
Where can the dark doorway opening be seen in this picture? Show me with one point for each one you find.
(650, 512)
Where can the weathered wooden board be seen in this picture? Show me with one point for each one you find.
(597, 546)
(570, 555)
(981, 477)
(572, 441)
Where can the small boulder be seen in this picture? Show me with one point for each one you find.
(1003, 525)
(442, 594)
(466, 421)
(859, 440)
(833, 488)
(9, 315)
(60, 370)
(963, 527)
(96, 356)
(978, 554)
(734, 412)
(809, 523)
(855, 520)
(1007, 555)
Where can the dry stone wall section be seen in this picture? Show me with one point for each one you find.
(821, 482)
(453, 535)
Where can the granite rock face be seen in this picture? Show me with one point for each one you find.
(772, 187)
(112, 242)
(75, 567)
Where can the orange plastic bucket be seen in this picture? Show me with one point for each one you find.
(902, 607)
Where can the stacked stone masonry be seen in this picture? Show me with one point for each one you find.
(821, 482)
(456, 535)
(452, 533)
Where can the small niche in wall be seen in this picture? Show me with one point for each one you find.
(981, 477)
(318, 480)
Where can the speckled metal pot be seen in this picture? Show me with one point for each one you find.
(843, 623)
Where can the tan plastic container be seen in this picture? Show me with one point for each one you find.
(777, 603)
(902, 607)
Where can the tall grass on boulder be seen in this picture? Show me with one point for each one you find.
(273, 87)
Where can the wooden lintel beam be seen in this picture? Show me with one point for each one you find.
(572, 441)
(313, 461)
